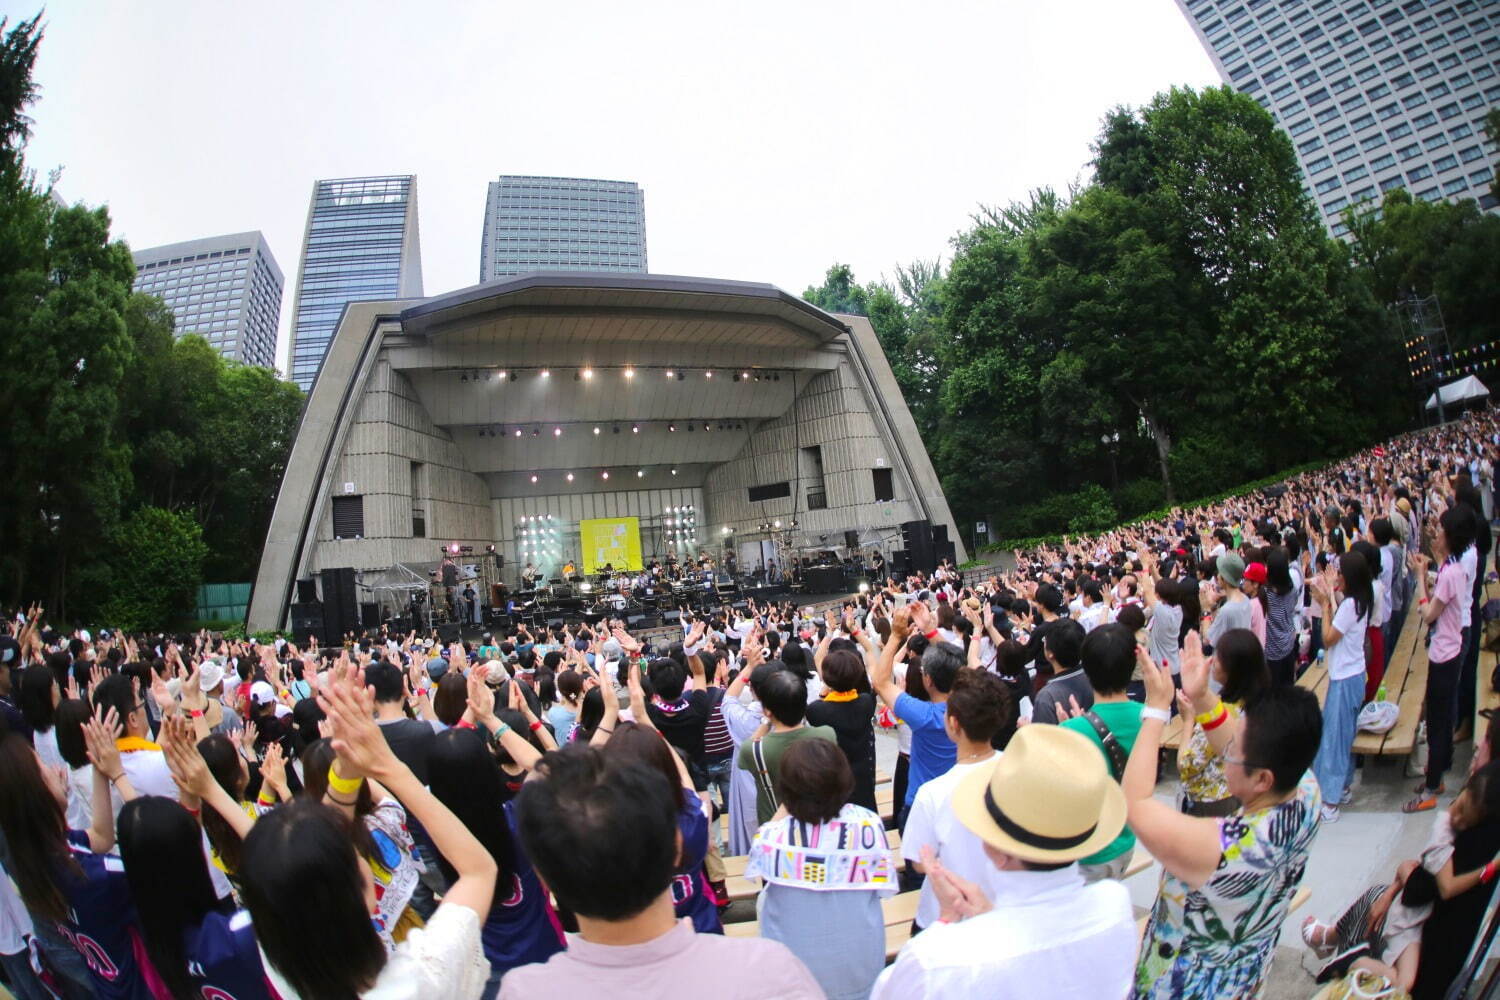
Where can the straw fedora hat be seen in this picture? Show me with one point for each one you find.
(1048, 798)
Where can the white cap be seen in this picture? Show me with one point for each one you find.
(261, 693)
(210, 675)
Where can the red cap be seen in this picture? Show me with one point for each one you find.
(1256, 572)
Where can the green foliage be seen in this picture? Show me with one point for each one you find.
(156, 558)
(107, 422)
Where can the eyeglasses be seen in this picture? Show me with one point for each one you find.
(1242, 762)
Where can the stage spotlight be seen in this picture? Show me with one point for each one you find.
(864, 586)
(669, 373)
(777, 524)
(596, 430)
(533, 479)
(557, 432)
(745, 376)
(708, 374)
(674, 472)
(546, 373)
(499, 376)
(518, 432)
(635, 428)
(630, 373)
(640, 473)
(570, 477)
(453, 549)
(672, 428)
(586, 587)
(604, 475)
(588, 373)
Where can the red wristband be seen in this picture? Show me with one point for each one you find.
(931, 635)
(1487, 873)
(196, 713)
(464, 724)
(536, 726)
(1223, 717)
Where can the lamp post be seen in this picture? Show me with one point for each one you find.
(1111, 444)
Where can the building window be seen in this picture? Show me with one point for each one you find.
(770, 491)
(885, 484)
(348, 517)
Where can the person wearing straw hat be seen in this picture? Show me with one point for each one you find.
(1041, 806)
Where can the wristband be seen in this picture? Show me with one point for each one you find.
(501, 730)
(1159, 714)
(265, 798)
(1210, 715)
(536, 726)
(1223, 717)
(344, 786)
(196, 713)
(1487, 873)
(931, 635)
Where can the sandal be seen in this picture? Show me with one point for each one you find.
(1442, 788)
(1311, 930)
(1421, 802)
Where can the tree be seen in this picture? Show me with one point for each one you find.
(17, 89)
(839, 293)
(156, 565)
(1492, 132)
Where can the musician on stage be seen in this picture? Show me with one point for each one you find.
(528, 577)
(569, 571)
(877, 563)
(448, 576)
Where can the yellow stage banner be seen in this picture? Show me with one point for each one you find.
(613, 541)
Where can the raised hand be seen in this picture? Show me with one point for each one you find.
(1158, 677)
(1194, 671)
(99, 735)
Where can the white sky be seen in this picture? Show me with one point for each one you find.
(772, 139)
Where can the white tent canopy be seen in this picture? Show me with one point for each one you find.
(1465, 388)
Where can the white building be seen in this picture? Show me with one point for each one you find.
(225, 288)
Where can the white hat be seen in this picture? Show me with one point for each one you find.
(261, 693)
(495, 672)
(210, 675)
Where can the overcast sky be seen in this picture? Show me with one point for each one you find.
(772, 139)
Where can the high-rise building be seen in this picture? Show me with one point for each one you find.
(225, 288)
(562, 224)
(361, 244)
(1376, 94)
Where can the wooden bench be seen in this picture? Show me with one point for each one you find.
(1314, 679)
(1405, 685)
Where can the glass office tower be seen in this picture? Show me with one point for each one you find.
(1376, 94)
(562, 224)
(225, 288)
(361, 244)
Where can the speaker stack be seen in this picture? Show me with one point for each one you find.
(942, 545)
(307, 620)
(916, 539)
(340, 604)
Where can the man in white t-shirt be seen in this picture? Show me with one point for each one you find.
(979, 709)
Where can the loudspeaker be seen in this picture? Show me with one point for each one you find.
(369, 614)
(340, 607)
(947, 551)
(561, 593)
(448, 633)
(634, 621)
(851, 539)
(900, 564)
(916, 538)
(307, 591)
(307, 619)
(939, 534)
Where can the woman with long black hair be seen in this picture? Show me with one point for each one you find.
(73, 887)
(1282, 595)
(311, 895)
(230, 769)
(1347, 598)
(521, 927)
(196, 948)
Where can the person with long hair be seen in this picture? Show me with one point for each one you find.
(73, 887)
(69, 720)
(1283, 595)
(194, 947)
(230, 769)
(1347, 598)
(39, 696)
(381, 837)
(311, 894)
(521, 927)
(1239, 668)
(1375, 631)
(1443, 605)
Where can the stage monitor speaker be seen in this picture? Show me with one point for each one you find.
(307, 620)
(307, 591)
(916, 539)
(673, 617)
(824, 580)
(851, 539)
(634, 621)
(448, 632)
(400, 625)
(900, 564)
(369, 614)
(561, 593)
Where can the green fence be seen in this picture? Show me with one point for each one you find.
(223, 602)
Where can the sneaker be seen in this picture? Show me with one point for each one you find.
(1347, 797)
(1338, 966)
(1329, 814)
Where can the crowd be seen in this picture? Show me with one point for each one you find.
(540, 814)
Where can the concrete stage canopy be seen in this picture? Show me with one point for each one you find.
(724, 415)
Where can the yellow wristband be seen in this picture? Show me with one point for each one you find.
(1211, 714)
(344, 786)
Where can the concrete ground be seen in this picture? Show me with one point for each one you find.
(1363, 847)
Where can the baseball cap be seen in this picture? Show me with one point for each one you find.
(1231, 568)
(495, 672)
(261, 693)
(437, 667)
(1256, 572)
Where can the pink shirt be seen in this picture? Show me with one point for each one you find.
(1447, 631)
(1258, 620)
(677, 964)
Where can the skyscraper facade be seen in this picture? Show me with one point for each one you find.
(361, 243)
(1376, 94)
(225, 288)
(562, 224)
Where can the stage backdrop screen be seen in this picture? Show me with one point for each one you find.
(615, 541)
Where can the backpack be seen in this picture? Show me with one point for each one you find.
(1112, 748)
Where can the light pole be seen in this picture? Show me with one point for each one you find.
(1111, 444)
